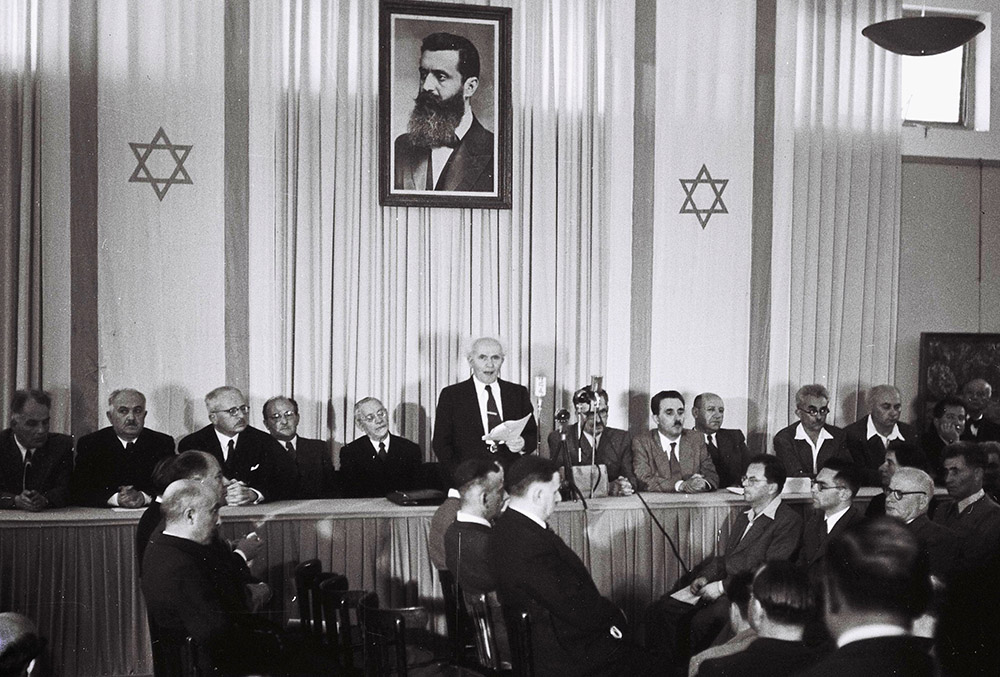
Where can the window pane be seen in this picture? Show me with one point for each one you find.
(932, 87)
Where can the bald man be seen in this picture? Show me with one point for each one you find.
(726, 446)
(977, 394)
(868, 438)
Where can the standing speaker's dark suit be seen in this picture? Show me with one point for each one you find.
(797, 454)
(903, 655)
(51, 467)
(364, 475)
(869, 453)
(730, 455)
(469, 168)
(314, 468)
(258, 460)
(986, 431)
(652, 464)
(190, 590)
(570, 620)
(815, 539)
(458, 423)
(614, 450)
(103, 465)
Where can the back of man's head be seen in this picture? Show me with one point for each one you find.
(526, 471)
(875, 570)
(782, 590)
(20, 644)
(738, 592)
(189, 465)
(909, 454)
(182, 496)
(846, 473)
(474, 470)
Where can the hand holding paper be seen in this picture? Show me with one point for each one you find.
(509, 433)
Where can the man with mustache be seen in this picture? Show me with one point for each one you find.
(445, 148)
(114, 466)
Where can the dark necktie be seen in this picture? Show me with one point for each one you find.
(675, 466)
(229, 459)
(492, 411)
(290, 447)
(129, 448)
(429, 183)
(712, 449)
(27, 470)
(381, 451)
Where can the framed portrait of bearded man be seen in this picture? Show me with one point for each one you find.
(444, 105)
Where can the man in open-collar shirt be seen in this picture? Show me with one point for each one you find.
(804, 447)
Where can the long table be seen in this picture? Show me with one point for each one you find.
(73, 570)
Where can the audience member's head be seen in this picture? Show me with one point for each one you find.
(20, 644)
(127, 413)
(901, 453)
(885, 406)
(372, 417)
(29, 417)
(764, 479)
(909, 494)
(281, 417)
(738, 592)
(811, 406)
(191, 511)
(709, 412)
(949, 418)
(781, 600)
(835, 486)
(875, 572)
(976, 395)
(964, 467)
(189, 465)
(480, 482)
(533, 485)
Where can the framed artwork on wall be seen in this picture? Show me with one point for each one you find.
(948, 361)
(444, 105)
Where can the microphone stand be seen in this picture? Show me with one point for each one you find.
(573, 492)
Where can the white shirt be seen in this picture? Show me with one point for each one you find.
(710, 439)
(894, 435)
(294, 442)
(224, 443)
(831, 520)
(440, 154)
(870, 632)
(665, 443)
(375, 442)
(474, 519)
(801, 434)
(969, 500)
(483, 398)
(146, 498)
(22, 448)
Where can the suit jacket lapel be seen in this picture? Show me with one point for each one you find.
(472, 396)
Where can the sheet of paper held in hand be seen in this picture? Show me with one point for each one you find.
(685, 595)
(507, 430)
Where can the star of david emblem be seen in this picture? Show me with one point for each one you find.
(717, 207)
(161, 161)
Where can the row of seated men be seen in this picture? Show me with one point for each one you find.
(716, 627)
(114, 465)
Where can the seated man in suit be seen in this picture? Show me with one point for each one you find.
(869, 437)
(114, 466)
(256, 467)
(900, 454)
(806, 446)
(726, 446)
(35, 465)
(191, 591)
(768, 530)
(669, 458)
(780, 606)
(313, 463)
(20, 645)
(377, 462)
(875, 583)
(574, 630)
(833, 493)
(947, 426)
(467, 541)
(469, 410)
(614, 446)
(976, 394)
(908, 499)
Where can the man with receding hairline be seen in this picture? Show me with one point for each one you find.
(806, 446)
(35, 465)
(726, 446)
(377, 462)
(468, 410)
(114, 466)
(908, 498)
(868, 438)
(313, 463)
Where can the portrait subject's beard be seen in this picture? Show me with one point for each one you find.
(433, 121)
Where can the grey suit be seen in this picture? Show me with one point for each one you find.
(652, 464)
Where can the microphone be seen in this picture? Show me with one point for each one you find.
(560, 421)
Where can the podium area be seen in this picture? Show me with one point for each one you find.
(73, 570)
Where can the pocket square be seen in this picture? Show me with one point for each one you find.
(254, 467)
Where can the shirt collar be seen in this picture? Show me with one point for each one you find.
(125, 442)
(294, 442)
(375, 442)
(494, 387)
(24, 449)
(768, 510)
(969, 500)
(224, 440)
(871, 632)
(465, 124)
(529, 516)
(801, 434)
(665, 441)
(894, 435)
(473, 519)
(454, 493)
(831, 520)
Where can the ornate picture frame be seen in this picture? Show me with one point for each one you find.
(949, 360)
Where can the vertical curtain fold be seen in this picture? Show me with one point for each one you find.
(835, 252)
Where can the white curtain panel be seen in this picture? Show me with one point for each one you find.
(835, 254)
(349, 299)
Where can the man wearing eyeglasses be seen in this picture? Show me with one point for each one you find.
(908, 498)
(833, 493)
(868, 438)
(256, 467)
(377, 462)
(806, 446)
(35, 465)
(313, 462)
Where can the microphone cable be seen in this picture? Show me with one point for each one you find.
(663, 531)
